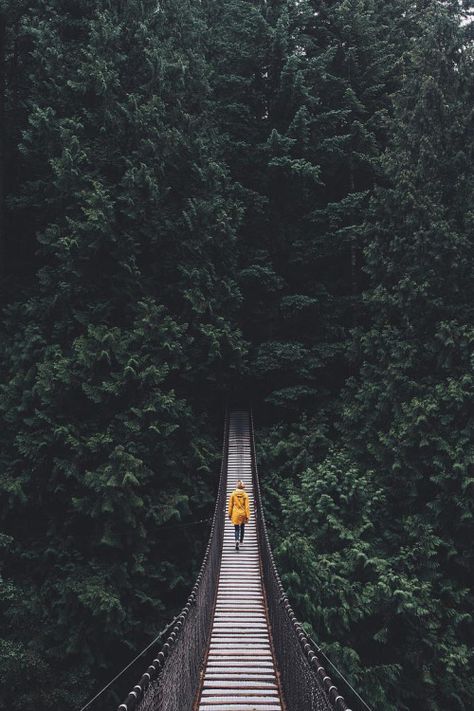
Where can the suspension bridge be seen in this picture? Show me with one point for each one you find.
(237, 646)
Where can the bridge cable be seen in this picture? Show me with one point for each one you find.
(144, 651)
(183, 525)
(321, 653)
(165, 629)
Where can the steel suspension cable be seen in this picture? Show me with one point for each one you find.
(340, 674)
(306, 684)
(121, 673)
(171, 680)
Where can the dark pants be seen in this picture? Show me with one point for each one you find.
(239, 531)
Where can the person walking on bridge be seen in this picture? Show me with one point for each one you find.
(239, 511)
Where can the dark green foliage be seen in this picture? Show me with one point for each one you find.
(129, 323)
(301, 94)
(173, 174)
(388, 615)
(375, 544)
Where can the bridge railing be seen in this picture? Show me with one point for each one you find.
(172, 680)
(304, 681)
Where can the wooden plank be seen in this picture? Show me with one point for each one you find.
(235, 686)
(240, 673)
(238, 706)
(254, 699)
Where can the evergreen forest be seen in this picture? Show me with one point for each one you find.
(205, 198)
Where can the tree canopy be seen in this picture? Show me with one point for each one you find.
(271, 198)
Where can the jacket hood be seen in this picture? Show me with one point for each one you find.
(239, 506)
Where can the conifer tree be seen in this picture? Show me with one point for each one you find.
(3, 58)
(304, 123)
(392, 605)
(410, 409)
(16, 75)
(171, 171)
(106, 363)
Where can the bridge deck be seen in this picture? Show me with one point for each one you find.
(240, 671)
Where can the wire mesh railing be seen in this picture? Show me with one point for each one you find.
(172, 680)
(304, 681)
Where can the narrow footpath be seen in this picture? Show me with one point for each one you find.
(240, 671)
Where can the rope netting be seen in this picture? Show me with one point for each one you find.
(304, 681)
(172, 679)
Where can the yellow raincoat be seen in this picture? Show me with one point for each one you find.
(239, 509)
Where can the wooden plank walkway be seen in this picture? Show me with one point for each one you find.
(240, 670)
